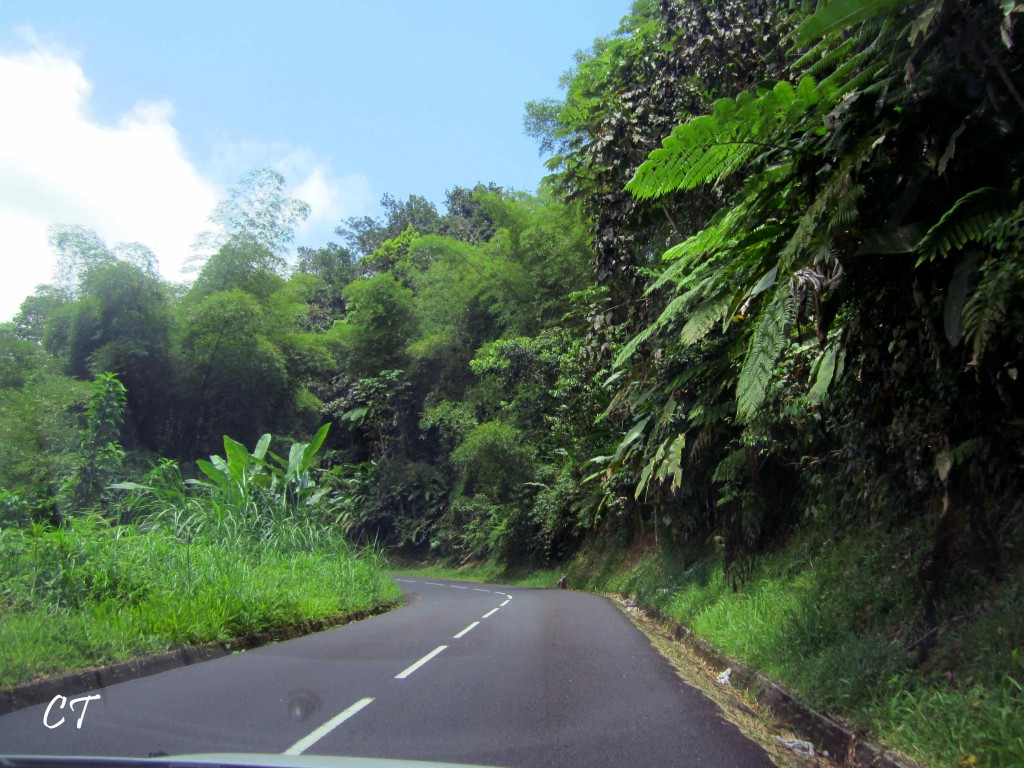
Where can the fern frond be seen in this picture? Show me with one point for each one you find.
(824, 55)
(865, 67)
(702, 321)
(766, 344)
(839, 15)
(834, 208)
(970, 219)
(698, 324)
(986, 309)
(634, 344)
(711, 147)
(717, 236)
(982, 315)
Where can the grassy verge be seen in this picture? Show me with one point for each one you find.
(98, 593)
(486, 572)
(836, 622)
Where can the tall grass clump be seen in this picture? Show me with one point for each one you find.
(177, 562)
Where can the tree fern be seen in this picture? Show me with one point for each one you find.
(853, 60)
(721, 232)
(711, 147)
(766, 344)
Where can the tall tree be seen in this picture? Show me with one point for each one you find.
(256, 216)
(668, 59)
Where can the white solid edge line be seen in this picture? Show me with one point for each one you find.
(491, 612)
(466, 630)
(505, 603)
(306, 742)
(406, 672)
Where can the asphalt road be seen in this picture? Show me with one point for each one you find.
(467, 673)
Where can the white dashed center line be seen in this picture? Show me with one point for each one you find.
(466, 630)
(306, 742)
(406, 672)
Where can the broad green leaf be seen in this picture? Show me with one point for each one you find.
(295, 461)
(218, 476)
(645, 477)
(674, 463)
(238, 459)
(261, 447)
(278, 460)
(631, 436)
(313, 447)
(825, 368)
(766, 282)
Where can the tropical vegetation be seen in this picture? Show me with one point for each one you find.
(760, 328)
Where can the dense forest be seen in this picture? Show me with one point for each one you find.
(773, 285)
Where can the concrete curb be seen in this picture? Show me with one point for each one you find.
(75, 683)
(830, 738)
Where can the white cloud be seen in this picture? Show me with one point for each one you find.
(331, 199)
(131, 181)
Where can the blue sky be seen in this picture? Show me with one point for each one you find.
(135, 117)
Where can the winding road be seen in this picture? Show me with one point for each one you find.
(465, 673)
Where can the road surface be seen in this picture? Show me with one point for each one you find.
(467, 673)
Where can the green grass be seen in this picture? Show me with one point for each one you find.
(98, 592)
(833, 622)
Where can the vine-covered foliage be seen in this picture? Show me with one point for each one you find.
(848, 318)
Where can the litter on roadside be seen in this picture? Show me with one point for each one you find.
(797, 745)
(725, 678)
